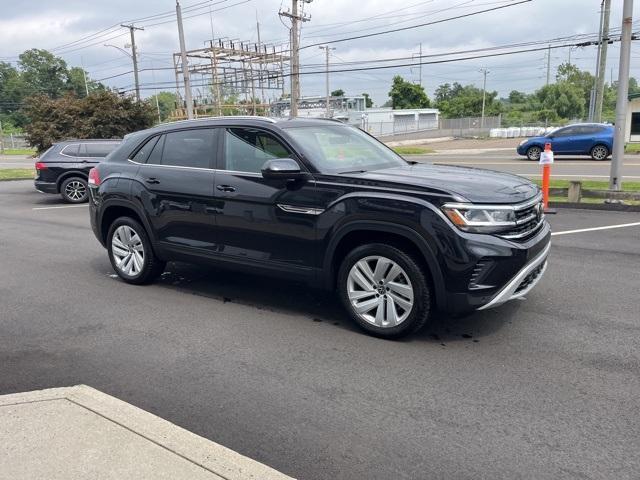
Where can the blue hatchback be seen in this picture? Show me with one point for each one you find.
(594, 139)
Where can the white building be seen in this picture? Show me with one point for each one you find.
(633, 119)
(387, 121)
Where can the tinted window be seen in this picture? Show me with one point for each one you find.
(70, 150)
(635, 123)
(142, 154)
(565, 132)
(246, 149)
(97, 150)
(155, 157)
(590, 129)
(189, 148)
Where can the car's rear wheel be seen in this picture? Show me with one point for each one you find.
(533, 153)
(384, 290)
(131, 253)
(74, 190)
(599, 152)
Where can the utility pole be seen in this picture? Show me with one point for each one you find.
(261, 65)
(185, 64)
(615, 182)
(327, 49)
(484, 72)
(84, 75)
(295, 53)
(592, 93)
(134, 56)
(548, 64)
(420, 67)
(604, 42)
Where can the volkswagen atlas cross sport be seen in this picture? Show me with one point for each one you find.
(323, 202)
(64, 168)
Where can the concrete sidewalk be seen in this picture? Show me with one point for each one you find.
(81, 433)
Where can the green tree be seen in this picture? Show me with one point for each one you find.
(167, 101)
(12, 88)
(43, 73)
(456, 101)
(102, 114)
(516, 96)
(76, 82)
(367, 100)
(566, 99)
(405, 94)
(338, 93)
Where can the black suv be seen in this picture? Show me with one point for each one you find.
(64, 168)
(323, 202)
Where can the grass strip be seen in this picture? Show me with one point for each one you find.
(16, 173)
(412, 150)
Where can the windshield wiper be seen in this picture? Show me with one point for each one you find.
(352, 171)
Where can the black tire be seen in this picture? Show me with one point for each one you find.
(418, 312)
(74, 190)
(599, 152)
(533, 153)
(150, 266)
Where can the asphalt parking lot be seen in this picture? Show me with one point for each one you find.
(547, 388)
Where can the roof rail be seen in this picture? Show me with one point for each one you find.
(244, 117)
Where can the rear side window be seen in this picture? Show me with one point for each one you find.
(97, 150)
(70, 150)
(143, 154)
(189, 148)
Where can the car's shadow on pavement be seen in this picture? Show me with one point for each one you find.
(290, 297)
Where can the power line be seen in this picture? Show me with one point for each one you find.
(457, 17)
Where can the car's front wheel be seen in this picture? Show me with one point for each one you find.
(533, 153)
(74, 190)
(385, 290)
(599, 152)
(131, 253)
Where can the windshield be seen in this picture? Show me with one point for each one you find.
(343, 149)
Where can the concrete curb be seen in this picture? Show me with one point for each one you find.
(212, 457)
(611, 207)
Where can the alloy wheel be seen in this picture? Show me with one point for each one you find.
(75, 190)
(534, 153)
(599, 152)
(380, 291)
(127, 250)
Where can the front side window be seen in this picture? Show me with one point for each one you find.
(247, 149)
(341, 149)
(189, 148)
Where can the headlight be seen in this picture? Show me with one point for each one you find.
(480, 218)
(523, 142)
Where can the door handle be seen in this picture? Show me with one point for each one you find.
(225, 188)
(152, 180)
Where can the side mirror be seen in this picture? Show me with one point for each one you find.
(282, 169)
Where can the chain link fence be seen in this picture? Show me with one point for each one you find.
(12, 141)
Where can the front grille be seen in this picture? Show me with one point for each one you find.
(529, 279)
(529, 220)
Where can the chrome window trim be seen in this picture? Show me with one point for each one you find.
(170, 166)
(61, 152)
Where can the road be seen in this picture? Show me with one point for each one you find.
(547, 388)
(569, 168)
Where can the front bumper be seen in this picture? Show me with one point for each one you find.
(522, 283)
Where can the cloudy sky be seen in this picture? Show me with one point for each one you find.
(77, 30)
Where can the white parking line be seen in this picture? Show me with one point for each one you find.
(593, 229)
(61, 206)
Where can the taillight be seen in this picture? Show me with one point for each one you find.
(94, 177)
(41, 166)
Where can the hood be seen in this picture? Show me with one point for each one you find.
(473, 184)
